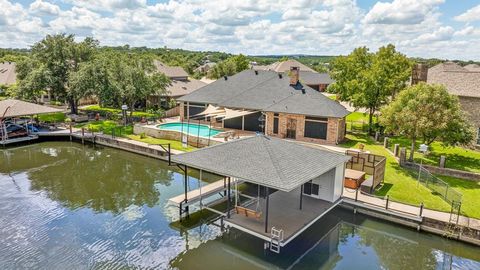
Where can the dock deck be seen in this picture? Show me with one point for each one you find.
(284, 213)
(19, 139)
(194, 196)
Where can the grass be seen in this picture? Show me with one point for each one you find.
(470, 194)
(400, 184)
(52, 117)
(105, 110)
(456, 157)
(107, 127)
(173, 144)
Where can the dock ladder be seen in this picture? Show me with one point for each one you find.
(276, 239)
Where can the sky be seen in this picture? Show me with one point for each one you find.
(446, 29)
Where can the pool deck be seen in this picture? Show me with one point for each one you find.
(284, 213)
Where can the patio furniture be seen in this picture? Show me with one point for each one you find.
(353, 178)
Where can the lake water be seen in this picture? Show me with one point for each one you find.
(68, 206)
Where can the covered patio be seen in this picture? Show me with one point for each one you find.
(297, 184)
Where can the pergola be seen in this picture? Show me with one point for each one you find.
(281, 168)
(15, 108)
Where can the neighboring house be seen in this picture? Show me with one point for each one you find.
(308, 76)
(8, 76)
(180, 85)
(255, 100)
(205, 67)
(463, 82)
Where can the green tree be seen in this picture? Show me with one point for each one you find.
(52, 61)
(370, 80)
(428, 112)
(229, 67)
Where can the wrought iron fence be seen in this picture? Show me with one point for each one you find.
(440, 187)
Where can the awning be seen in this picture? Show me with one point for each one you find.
(229, 113)
(14, 108)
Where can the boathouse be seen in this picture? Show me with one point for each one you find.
(299, 184)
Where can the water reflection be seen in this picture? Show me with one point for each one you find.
(64, 205)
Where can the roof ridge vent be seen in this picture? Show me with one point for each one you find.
(225, 77)
(280, 75)
(256, 72)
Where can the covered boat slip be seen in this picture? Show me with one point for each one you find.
(300, 184)
(287, 211)
(11, 108)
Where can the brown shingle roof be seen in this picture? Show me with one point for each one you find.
(22, 108)
(178, 88)
(171, 72)
(7, 73)
(472, 67)
(458, 80)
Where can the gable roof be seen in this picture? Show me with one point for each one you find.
(285, 66)
(8, 74)
(266, 91)
(171, 72)
(23, 108)
(458, 80)
(177, 88)
(271, 162)
(472, 67)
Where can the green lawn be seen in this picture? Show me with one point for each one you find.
(107, 126)
(52, 117)
(173, 144)
(358, 117)
(470, 194)
(400, 184)
(457, 157)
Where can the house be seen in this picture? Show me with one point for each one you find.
(205, 67)
(180, 85)
(270, 102)
(316, 80)
(8, 75)
(464, 82)
(295, 184)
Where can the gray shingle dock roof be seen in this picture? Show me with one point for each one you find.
(271, 162)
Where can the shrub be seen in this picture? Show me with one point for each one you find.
(143, 136)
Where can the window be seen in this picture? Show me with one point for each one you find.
(310, 188)
(275, 124)
(478, 136)
(316, 130)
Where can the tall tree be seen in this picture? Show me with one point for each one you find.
(229, 67)
(53, 59)
(428, 112)
(370, 80)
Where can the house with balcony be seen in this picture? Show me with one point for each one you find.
(266, 101)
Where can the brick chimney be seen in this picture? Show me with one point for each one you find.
(294, 75)
(419, 73)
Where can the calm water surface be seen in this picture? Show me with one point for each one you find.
(68, 206)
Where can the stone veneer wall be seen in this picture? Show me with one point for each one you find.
(334, 125)
(471, 105)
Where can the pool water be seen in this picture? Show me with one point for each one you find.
(64, 205)
(190, 129)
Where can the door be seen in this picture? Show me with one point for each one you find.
(291, 128)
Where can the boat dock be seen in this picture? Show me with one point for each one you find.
(200, 193)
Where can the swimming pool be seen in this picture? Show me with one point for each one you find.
(190, 129)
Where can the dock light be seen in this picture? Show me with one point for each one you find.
(124, 114)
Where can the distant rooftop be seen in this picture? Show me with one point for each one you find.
(459, 81)
(8, 74)
(171, 72)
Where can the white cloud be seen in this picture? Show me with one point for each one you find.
(44, 8)
(470, 15)
(401, 11)
(324, 27)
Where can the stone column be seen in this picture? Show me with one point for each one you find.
(441, 164)
(403, 156)
(395, 149)
(385, 142)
